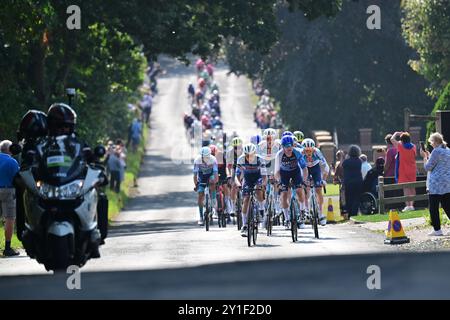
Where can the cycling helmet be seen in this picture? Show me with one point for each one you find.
(308, 143)
(214, 149)
(249, 148)
(33, 125)
(287, 141)
(286, 133)
(236, 142)
(205, 151)
(256, 139)
(215, 92)
(270, 132)
(61, 119)
(299, 135)
(266, 92)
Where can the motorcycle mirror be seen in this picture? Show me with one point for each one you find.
(100, 151)
(15, 149)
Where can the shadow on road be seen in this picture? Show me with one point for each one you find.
(156, 165)
(402, 276)
(162, 201)
(133, 228)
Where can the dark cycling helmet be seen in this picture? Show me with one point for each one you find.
(287, 133)
(61, 119)
(287, 141)
(33, 125)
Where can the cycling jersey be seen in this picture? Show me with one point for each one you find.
(292, 163)
(231, 158)
(268, 156)
(203, 167)
(251, 171)
(315, 158)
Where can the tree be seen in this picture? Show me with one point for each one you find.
(426, 28)
(443, 103)
(335, 73)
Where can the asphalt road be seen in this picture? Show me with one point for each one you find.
(156, 250)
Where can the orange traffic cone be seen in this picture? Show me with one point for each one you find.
(330, 213)
(395, 233)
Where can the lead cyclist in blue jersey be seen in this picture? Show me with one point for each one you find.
(290, 166)
(318, 169)
(205, 173)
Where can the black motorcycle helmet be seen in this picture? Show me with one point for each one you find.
(61, 119)
(33, 125)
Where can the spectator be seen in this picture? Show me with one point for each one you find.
(146, 104)
(438, 180)
(338, 178)
(365, 166)
(389, 167)
(135, 134)
(8, 170)
(123, 163)
(405, 164)
(114, 167)
(353, 180)
(370, 182)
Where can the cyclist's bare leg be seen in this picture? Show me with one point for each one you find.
(212, 188)
(245, 209)
(320, 199)
(285, 204)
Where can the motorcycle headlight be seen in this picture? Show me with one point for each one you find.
(68, 191)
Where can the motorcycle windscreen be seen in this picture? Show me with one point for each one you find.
(62, 163)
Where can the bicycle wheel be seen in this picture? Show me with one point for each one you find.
(249, 229)
(293, 210)
(219, 210)
(269, 219)
(207, 213)
(315, 217)
(239, 213)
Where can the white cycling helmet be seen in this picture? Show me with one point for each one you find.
(270, 132)
(308, 143)
(249, 148)
(205, 151)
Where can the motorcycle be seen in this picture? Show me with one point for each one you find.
(66, 214)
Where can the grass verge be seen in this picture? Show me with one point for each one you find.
(403, 215)
(118, 200)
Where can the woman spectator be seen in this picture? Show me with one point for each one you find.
(389, 167)
(405, 165)
(353, 180)
(338, 179)
(438, 180)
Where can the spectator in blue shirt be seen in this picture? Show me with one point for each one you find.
(438, 180)
(8, 170)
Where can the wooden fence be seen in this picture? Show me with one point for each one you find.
(382, 188)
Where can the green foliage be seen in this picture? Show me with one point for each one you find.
(426, 27)
(443, 103)
(40, 57)
(336, 73)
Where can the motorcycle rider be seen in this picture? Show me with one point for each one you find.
(32, 129)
